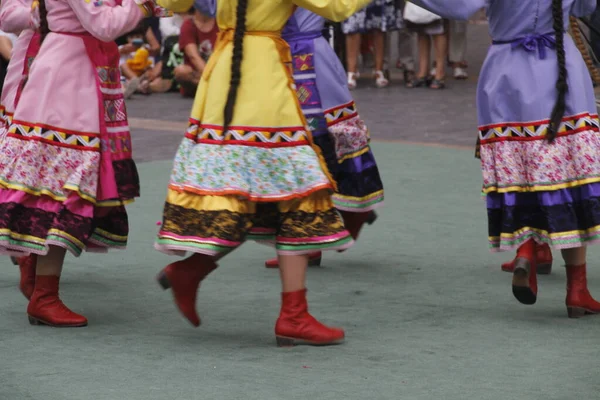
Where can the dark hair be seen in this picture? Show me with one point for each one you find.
(44, 29)
(561, 83)
(236, 62)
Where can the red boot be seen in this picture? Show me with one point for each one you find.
(543, 258)
(27, 267)
(314, 260)
(354, 221)
(184, 277)
(46, 308)
(524, 283)
(296, 326)
(579, 300)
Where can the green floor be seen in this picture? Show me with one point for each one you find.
(427, 312)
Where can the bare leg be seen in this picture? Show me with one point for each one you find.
(379, 43)
(352, 50)
(574, 257)
(5, 48)
(51, 263)
(160, 85)
(292, 270)
(186, 75)
(441, 54)
(424, 49)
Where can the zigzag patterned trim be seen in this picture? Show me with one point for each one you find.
(537, 129)
(54, 136)
(5, 117)
(341, 113)
(248, 135)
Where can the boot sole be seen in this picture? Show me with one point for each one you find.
(542, 269)
(372, 218)
(577, 312)
(313, 262)
(520, 283)
(284, 341)
(39, 322)
(163, 281)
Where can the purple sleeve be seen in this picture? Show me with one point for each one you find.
(452, 9)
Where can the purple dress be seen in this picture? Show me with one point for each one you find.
(332, 116)
(548, 192)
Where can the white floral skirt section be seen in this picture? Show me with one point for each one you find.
(252, 172)
(381, 15)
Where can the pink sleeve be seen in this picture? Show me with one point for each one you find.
(15, 16)
(107, 22)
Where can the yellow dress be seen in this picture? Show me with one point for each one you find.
(262, 179)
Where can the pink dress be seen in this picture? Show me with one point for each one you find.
(15, 17)
(66, 170)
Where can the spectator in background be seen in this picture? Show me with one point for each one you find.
(171, 56)
(379, 17)
(405, 42)
(457, 55)
(7, 40)
(196, 41)
(6, 44)
(595, 38)
(427, 33)
(135, 60)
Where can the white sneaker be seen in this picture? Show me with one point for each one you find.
(352, 77)
(460, 73)
(380, 79)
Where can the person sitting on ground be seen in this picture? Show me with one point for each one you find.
(196, 40)
(6, 45)
(171, 56)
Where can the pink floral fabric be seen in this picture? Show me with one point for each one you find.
(538, 165)
(39, 167)
(350, 135)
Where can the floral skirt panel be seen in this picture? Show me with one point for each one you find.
(534, 189)
(380, 15)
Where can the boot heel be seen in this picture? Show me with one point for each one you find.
(544, 269)
(284, 342)
(314, 262)
(576, 312)
(34, 321)
(372, 218)
(163, 280)
(521, 286)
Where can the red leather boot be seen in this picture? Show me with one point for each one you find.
(183, 278)
(314, 260)
(354, 221)
(579, 300)
(543, 257)
(46, 308)
(27, 267)
(296, 326)
(524, 282)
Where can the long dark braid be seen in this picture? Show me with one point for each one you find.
(561, 83)
(236, 62)
(44, 29)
